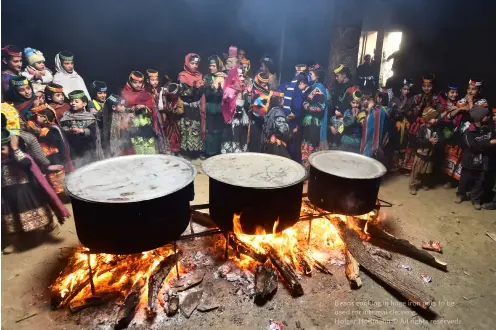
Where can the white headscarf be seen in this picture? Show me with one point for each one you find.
(69, 81)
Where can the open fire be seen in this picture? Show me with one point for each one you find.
(146, 280)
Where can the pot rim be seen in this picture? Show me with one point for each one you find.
(351, 158)
(207, 166)
(150, 196)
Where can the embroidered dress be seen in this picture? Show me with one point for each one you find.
(276, 133)
(313, 121)
(215, 121)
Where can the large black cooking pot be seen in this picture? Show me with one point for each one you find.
(343, 182)
(131, 204)
(261, 188)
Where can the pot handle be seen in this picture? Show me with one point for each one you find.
(386, 204)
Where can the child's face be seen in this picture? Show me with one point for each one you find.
(119, 107)
(25, 91)
(41, 120)
(39, 98)
(101, 96)
(136, 84)
(405, 90)
(14, 64)
(58, 98)
(452, 95)
(472, 90)
(194, 65)
(427, 88)
(77, 104)
(154, 81)
(68, 66)
(40, 66)
(355, 104)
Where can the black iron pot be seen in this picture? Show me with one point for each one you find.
(261, 188)
(343, 182)
(131, 204)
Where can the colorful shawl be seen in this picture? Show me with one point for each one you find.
(373, 132)
(54, 201)
(69, 81)
(189, 76)
(232, 87)
(84, 115)
(141, 97)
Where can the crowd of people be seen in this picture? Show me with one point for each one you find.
(52, 124)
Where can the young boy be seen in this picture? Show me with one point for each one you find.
(11, 63)
(426, 139)
(55, 97)
(478, 145)
(36, 71)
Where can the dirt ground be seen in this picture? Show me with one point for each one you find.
(465, 296)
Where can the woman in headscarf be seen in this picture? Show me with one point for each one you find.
(81, 131)
(171, 107)
(214, 82)
(235, 106)
(66, 76)
(27, 198)
(315, 117)
(276, 132)
(192, 95)
(259, 107)
(147, 130)
(54, 145)
(21, 96)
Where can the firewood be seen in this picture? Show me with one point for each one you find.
(128, 309)
(156, 280)
(243, 248)
(303, 262)
(202, 219)
(380, 269)
(289, 276)
(172, 305)
(404, 247)
(265, 284)
(352, 271)
(320, 266)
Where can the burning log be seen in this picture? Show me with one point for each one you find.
(246, 249)
(352, 271)
(303, 262)
(156, 280)
(265, 284)
(380, 270)
(405, 247)
(284, 270)
(128, 309)
(320, 266)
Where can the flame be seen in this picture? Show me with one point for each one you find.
(111, 273)
(323, 238)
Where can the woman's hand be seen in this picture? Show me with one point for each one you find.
(14, 142)
(333, 130)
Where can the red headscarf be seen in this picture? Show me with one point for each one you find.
(189, 76)
(232, 86)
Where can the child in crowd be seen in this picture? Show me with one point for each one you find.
(478, 147)
(66, 76)
(116, 131)
(36, 71)
(81, 130)
(152, 84)
(11, 65)
(99, 95)
(336, 126)
(55, 98)
(21, 95)
(352, 124)
(426, 139)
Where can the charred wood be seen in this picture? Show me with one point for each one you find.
(157, 278)
(172, 305)
(265, 284)
(404, 247)
(202, 218)
(243, 248)
(352, 271)
(128, 309)
(380, 270)
(286, 272)
(303, 262)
